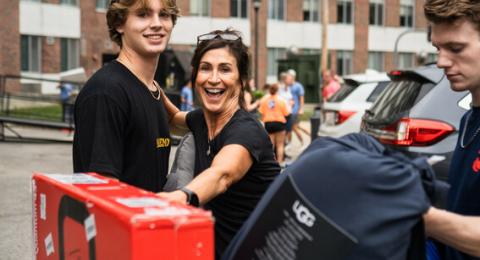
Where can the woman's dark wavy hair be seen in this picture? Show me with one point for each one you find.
(236, 48)
(118, 10)
(449, 11)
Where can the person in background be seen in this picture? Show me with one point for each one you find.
(186, 97)
(298, 93)
(274, 112)
(251, 104)
(234, 159)
(455, 32)
(121, 126)
(66, 90)
(330, 84)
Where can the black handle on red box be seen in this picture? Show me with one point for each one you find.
(76, 210)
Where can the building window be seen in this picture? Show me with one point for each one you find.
(344, 11)
(344, 62)
(406, 13)
(68, 2)
(238, 8)
(376, 12)
(102, 4)
(274, 54)
(406, 60)
(30, 53)
(310, 10)
(276, 9)
(375, 60)
(200, 7)
(70, 54)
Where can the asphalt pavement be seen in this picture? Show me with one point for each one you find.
(18, 160)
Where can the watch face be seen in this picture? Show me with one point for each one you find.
(193, 200)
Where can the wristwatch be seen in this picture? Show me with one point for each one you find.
(192, 198)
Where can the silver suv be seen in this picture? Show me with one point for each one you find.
(419, 114)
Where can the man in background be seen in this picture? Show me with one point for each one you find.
(186, 97)
(298, 95)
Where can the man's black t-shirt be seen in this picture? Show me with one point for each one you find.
(464, 175)
(120, 129)
(233, 207)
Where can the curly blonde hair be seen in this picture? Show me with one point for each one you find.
(118, 11)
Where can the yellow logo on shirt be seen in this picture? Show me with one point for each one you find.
(163, 142)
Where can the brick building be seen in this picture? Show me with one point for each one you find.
(43, 38)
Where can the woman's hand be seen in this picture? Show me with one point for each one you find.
(177, 196)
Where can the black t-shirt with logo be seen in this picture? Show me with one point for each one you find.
(232, 208)
(120, 129)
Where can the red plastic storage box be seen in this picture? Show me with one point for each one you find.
(88, 216)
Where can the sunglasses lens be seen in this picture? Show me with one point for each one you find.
(206, 37)
(229, 37)
(211, 36)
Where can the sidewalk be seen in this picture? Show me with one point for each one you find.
(295, 148)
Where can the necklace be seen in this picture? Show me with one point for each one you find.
(156, 92)
(462, 143)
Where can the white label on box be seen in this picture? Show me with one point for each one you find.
(142, 202)
(49, 244)
(43, 206)
(77, 178)
(90, 228)
(167, 212)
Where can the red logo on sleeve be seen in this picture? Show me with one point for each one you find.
(476, 165)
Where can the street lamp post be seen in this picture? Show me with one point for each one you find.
(256, 6)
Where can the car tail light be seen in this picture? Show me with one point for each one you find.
(343, 115)
(395, 73)
(414, 132)
(332, 117)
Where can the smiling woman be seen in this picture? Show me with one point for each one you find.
(234, 159)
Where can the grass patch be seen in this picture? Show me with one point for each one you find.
(51, 113)
(306, 115)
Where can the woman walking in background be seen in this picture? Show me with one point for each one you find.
(274, 112)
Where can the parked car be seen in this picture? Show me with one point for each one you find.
(419, 114)
(342, 113)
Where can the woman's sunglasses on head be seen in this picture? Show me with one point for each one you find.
(224, 36)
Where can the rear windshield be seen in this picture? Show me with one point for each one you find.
(396, 100)
(376, 92)
(342, 93)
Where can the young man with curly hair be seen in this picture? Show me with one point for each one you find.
(121, 126)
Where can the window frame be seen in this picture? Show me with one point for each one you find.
(345, 66)
(103, 7)
(69, 61)
(202, 13)
(311, 10)
(277, 14)
(69, 2)
(30, 55)
(382, 58)
(410, 7)
(278, 53)
(239, 9)
(377, 21)
(347, 18)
